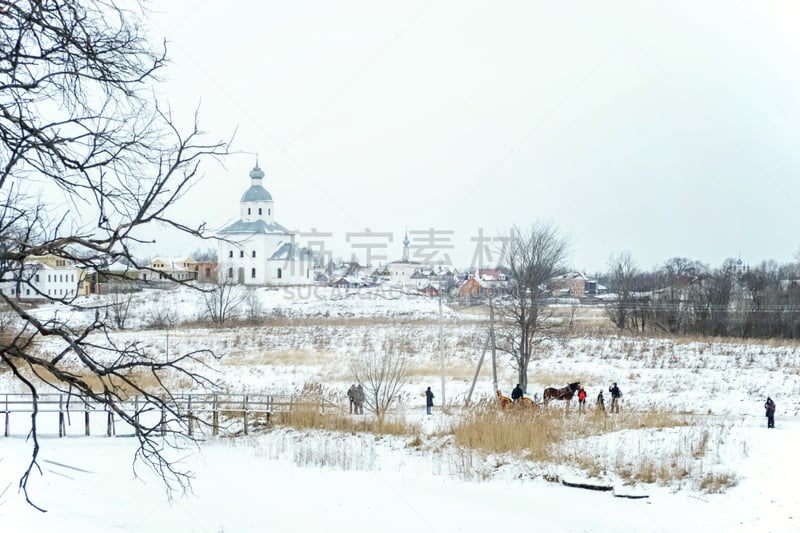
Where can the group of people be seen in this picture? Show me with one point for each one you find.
(356, 396)
(614, 389)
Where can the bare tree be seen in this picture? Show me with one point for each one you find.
(671, 307)
(253, 306)
(223, 301)
(382, 373)
(208, 254)
(622, 280)
(79, 118)
(533, 258)
(119, 307)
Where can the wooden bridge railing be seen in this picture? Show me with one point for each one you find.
(220, 412)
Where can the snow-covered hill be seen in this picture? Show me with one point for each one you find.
(244, 484)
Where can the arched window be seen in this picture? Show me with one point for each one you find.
(248, 210)
(254, 253)
(230, 272)
(252, 272)
(280, 273)
(241, 253)
(259, 210)
(230, 253)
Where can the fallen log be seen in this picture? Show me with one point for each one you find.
(586, 485)
(631, 496)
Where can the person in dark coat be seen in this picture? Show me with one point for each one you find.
(616, 394)
(516, 394)
(351, 393)
(769, 405)
(359, 398)
(601, 403)
(428, 400)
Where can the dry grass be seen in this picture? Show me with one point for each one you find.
(311, 417)
(280, 357)
(716, 483)
(538, 431)
(540, 434)
(125, 386)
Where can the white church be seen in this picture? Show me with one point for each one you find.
(256, 250)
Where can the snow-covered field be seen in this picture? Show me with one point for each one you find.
(291, 480)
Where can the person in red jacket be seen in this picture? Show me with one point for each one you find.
(581, 399)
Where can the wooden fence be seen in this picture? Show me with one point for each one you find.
(221, 413)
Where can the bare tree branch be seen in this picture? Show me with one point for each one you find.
(90, 163)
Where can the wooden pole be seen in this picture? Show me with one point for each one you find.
(244, 413)
(7, 418)
(136, 413)
(189, 409)
(62, 431)
(494, 343)
(215, 416)
(86, 420)
(110, 424)
(478, 370)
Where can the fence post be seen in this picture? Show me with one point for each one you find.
(110, 426)
(86, 419)
(215, 416)
(61, 428)
(244, 414)
(136, 413)
(189, 409)
(7, 416)
(163, 420)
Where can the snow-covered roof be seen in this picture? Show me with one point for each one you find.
(172, 260)
(254, 226)
(290, 251)
(256, 193)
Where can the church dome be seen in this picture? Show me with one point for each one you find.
(257, 173)
(256, 192)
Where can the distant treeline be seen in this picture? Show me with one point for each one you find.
(687, 297)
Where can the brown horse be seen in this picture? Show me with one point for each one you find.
(505, 401)
(564, 393)
(526, 402)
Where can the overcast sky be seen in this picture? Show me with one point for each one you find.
(660, 128)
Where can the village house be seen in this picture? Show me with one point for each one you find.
(479, 285)
(116, 276)
(570, 285)
(170, 268)
(206, 271)
(42, 278)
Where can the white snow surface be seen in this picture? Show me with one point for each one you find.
(291, 480)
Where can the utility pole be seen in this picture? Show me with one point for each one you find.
(491, 334)
(441, 341)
